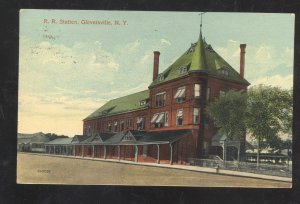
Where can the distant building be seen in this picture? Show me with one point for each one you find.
(167, 122)
(23, 142)
(32, 142)
(64, 146)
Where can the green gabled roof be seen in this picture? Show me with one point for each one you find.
(200, 57)
(121, 105)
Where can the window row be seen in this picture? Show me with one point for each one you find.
(162, 119)
(158, 120)
(180, 95)
(117, 126)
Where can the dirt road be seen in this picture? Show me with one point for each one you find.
(40, 169)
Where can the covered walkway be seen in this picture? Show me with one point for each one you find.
(136, 146)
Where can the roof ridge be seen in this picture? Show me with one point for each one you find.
(128, 95)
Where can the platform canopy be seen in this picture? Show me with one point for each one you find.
(130, 137)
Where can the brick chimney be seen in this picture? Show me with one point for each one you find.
(242, 59)
(155, 64)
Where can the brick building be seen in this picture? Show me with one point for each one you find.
(167, 122)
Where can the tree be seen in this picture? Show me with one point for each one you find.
(269, 112)
(228, 112)
(53, 136)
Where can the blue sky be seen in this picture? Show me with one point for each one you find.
(69, 70)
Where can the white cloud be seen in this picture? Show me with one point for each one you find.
(146, 59)
(232, 41)
(263, 55)
(287, 57)
(285, 82)
(262, 62)
(134, 46)
(231, 53)
(130, 47)
(165, 41)
(45, 65)
(106, 62)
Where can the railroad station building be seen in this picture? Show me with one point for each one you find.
(167, 122)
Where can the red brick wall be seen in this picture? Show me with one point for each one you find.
(171, 105)
(101, 124)
(191, 145)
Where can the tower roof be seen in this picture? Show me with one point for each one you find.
(200, 57)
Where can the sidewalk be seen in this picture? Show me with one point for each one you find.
(183, 167)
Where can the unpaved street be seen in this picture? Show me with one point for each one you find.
(42, 169)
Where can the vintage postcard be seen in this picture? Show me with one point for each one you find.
(155, 98)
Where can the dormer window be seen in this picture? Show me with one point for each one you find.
(105, 112)
(182, 69)
(143, 102)
(223, 72)
(191, 49)
(209, 48)
(160, 77)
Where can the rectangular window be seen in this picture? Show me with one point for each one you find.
(143, 102)
(121, 125)
(158, 120)
(166, 118)
(160, 99)
(89, 129)
(196, 115)
(180, 94)
(179, 117)
(197, 90)
(208, 93)
(140, 123)
(115, 126)
(153, 120)
(129, 123)
(109, 127)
